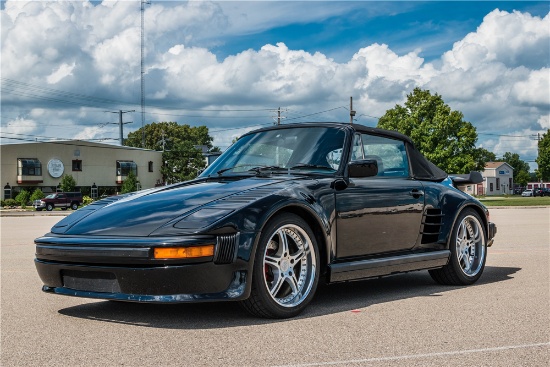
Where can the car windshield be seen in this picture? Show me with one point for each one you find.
(51, 196)
(298, 149)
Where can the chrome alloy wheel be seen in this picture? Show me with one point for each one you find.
(289, 265)
(470, 245)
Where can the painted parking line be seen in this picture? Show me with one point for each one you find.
(413, 356)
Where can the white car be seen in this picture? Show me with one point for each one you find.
(527, 193)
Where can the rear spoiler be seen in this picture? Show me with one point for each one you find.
(473, 177)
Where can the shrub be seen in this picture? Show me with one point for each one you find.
(10, 203)
(23, 198)
(68, 183)
(37, 195)
(86, 200)
(2, 203)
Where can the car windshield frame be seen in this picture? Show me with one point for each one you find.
(282, 151)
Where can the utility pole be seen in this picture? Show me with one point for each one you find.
(143, 3)
(279, 116)
(538, 138)
(351, 111)
(120, 123)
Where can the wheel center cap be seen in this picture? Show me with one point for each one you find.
(285, 265)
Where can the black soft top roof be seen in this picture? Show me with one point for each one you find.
(421, 167)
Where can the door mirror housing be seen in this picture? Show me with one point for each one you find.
(363, 168)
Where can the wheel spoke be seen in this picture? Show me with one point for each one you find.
(272, 261)
(277, 284)
(283, 244)
(298, 255)
(293, 282)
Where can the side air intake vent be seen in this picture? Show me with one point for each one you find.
(226, 249)
(431, 225)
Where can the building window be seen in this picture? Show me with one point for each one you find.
(491, 187)
(123, 168)
(7, 191)
(150, 166)
(498, 184)
(29, 167)
(77, 165)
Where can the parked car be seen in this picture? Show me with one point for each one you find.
(61, 200)
(541, 191)
(527, 192)
(282, 209)
(518, 190)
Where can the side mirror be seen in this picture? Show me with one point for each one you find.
(363, 168)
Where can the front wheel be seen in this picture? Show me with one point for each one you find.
(468, 251)
(286, 269)
(49, 207)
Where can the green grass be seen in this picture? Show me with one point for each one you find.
(515, 201)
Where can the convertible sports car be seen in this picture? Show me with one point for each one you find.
(282, 209)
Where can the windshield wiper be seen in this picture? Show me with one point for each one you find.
(266, 168)
(256, 169)
(307, 165)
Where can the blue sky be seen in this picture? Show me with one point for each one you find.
(432, 26)
(228, 65)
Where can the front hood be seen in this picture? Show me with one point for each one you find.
(142, 213)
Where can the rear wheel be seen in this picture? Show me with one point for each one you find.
(286, 269)
(468, 251)
(74, 206)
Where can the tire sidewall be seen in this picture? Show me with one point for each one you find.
(465, 279)
(258, 277)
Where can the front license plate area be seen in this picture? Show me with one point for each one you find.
(90, 281)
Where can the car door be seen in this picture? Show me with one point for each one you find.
(383, 213)
(61, 201)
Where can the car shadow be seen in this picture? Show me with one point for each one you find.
(329, 299)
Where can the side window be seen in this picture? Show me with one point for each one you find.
(357, 149)
(390, 155)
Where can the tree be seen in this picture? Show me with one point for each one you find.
(543, 159)
(522, 178)
(37, 195)
(520, 167)
(439, 133)
(67, 183)
(482, 156)
(130, 184)
(164, 136)
(183, 162)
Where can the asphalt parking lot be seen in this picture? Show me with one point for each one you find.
(404, 320)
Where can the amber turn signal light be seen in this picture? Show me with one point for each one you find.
(183, 252)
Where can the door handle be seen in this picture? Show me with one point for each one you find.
(416, 193)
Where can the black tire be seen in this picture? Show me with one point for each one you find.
(38, 209)
(468, 246)
(286, 269)
(74, 206)
(49, 207)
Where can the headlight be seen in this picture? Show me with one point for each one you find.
(202, 218)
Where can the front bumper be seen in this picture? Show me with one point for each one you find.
(187, 283)
(39, 205)
(125, 270)
(492, 233)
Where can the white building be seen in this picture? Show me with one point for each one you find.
(102, 166)
(498, 179)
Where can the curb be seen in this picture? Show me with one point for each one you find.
(9, 213)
